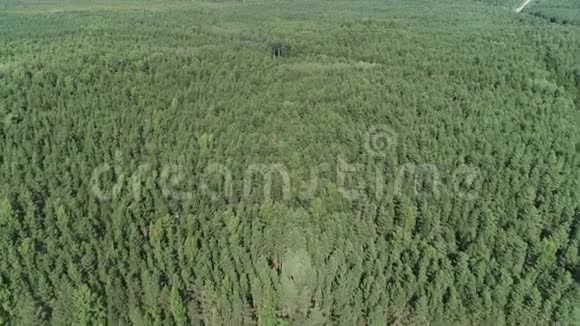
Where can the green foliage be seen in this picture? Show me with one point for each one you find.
(87, 307)
(297, 282)
(280, 49)
(177, 307)
(6, 306)
(557, 11)
(127, 130)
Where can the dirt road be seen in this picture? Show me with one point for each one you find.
(520, 8)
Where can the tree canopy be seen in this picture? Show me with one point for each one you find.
(288, 163)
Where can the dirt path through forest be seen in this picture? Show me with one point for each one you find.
(520, 8)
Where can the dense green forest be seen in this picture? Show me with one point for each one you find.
(304, 162)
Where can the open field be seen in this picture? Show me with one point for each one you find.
(557, 11)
